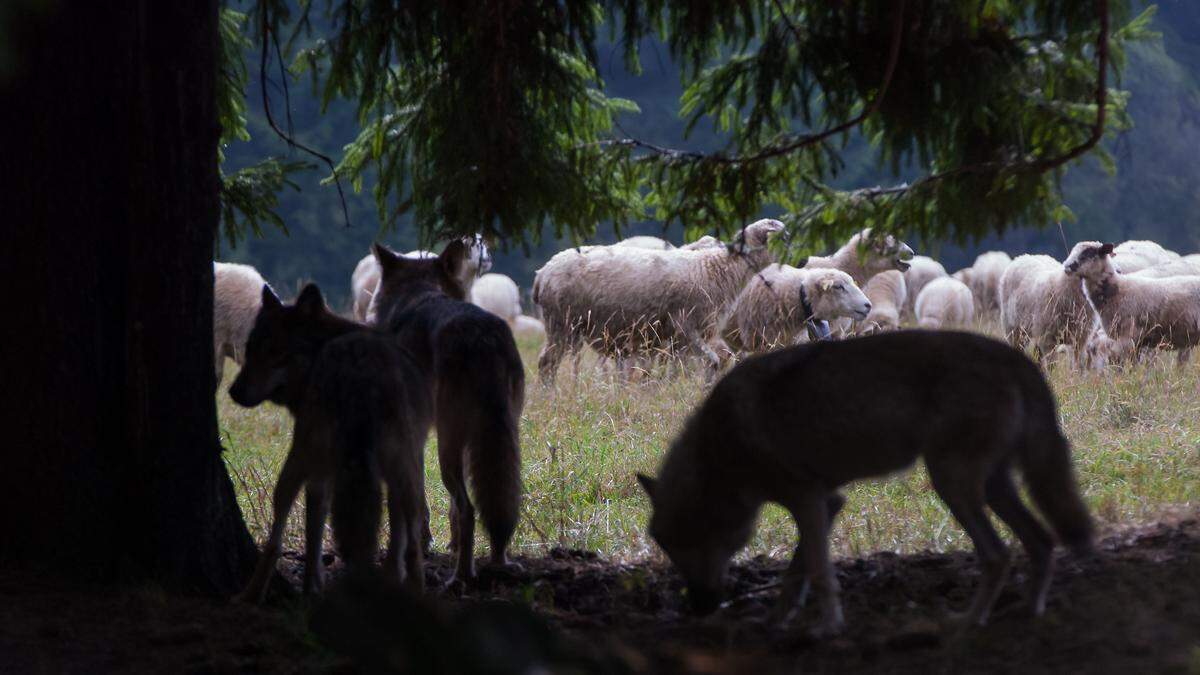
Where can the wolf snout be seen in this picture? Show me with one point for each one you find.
(237, 392)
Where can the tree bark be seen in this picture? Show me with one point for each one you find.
(110, 198)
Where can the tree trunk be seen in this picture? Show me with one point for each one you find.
(110, 200)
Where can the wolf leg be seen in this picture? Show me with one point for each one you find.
(451, 451)
(962, 491)
(316, 510)
(1002, 497)
(398, 535)
(813, 519)
(291, 478)
(795, 582)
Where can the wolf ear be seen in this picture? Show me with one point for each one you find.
(310, 301)
(385, 256)
(648, 484)
(270, 301)
(454, 256)
(1106, 249)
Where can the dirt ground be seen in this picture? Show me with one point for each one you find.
(1134, 607)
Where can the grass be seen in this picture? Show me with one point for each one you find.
(1135, 434)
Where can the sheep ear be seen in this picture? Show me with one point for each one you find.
(825, 284)
(310, 301)
(270, 301)
(648, 484)
(1106, 249)
(385, 256)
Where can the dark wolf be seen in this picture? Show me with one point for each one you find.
(793, 426)
(362, 413)
(479, 391)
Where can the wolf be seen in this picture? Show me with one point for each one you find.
(793, 426)
(478, 391)
(362, 412)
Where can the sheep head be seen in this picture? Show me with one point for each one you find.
(1089, 259)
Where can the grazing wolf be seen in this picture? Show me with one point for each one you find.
(479, 390)
(362, 414)
(793, 426)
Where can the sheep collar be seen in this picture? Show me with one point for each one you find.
(817, 329)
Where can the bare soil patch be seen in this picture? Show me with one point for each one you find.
(1132, 607)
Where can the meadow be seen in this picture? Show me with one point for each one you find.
(1135, 434)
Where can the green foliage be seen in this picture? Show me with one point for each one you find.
(249, 196)
(491, 116)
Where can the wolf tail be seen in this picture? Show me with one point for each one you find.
(356, 510)
(494, 467)
(1046, 464)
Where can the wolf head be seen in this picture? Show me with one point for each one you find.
(699, 532)
(833, 295)
(403, 279)
(1089, 259)
(280, 349)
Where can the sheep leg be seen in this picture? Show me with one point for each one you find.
(550, 356)
(1182, 356)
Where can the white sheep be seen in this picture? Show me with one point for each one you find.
(921, 270)
(864, 256)
(365, 278)
(945, 302)
(983, 278)
(707, 241)
(529, 328)
(1174, 268)
(237, 297)
(646, 241)
(1043, 307)
(777, 303)
(1193, 260)
(628, 301)
(1145, 311)
(887, 293)
(1136, 255)
(499, 295)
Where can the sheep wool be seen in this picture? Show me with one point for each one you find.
(771, 310)
(945, 302)
(237, 297)
(625, 301)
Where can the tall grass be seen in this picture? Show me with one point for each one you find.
(1135, 434)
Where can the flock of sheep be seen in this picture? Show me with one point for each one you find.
(643, 299)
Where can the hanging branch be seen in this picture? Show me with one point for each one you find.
(267, 37)
(803, 140)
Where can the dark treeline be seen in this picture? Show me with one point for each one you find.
(1154, 195)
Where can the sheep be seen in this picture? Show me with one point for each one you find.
(1193, 260)
(1135, 255)
(1175, 268)
(983, 278)
(624, 301)
(365, 278)
(864, 256)
(707, 241)
(528, 328)
(887, 293)
(645, 241)
(921, 270)
(237, 297)
(499, 295)
(777, 303)
(1147, 312)
(943, 303)
(1041, 306)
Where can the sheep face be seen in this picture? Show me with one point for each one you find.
(1089, 259)
(883, 253)
(833, 295)
(754, 236)
(479, 257)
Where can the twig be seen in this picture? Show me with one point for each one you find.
(268, 39)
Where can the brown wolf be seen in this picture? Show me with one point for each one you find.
(793, 426)
(479, 385)
(362, 414)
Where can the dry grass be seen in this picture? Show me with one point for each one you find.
(1135, 433)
